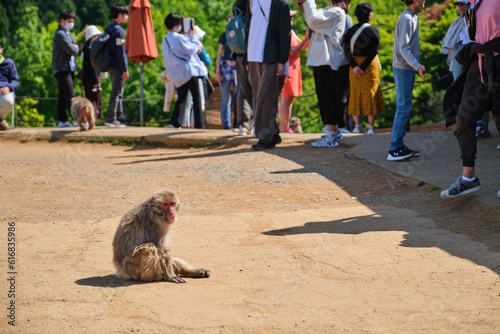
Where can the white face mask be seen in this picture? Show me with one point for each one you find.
(69, 25)
(178, 29)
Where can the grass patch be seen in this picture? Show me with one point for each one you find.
(125, 142)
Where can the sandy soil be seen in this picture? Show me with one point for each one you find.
(298, 241)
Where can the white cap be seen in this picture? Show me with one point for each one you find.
(91, 31)
(200, 33)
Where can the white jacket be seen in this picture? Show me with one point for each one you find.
(325, 46)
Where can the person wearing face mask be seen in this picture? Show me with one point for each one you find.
(118, 71)
(64, 50)
(180, 55)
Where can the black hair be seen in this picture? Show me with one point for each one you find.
(408, 2)
(66, 14)
(118, 9)
(363, 11)
(172, 19)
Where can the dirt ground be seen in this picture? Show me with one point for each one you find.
(297, 240)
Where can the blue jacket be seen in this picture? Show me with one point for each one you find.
(117, 37)
(182, 61)
(8, 74)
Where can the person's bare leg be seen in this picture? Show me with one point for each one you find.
(285, 112)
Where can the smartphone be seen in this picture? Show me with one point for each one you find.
(187, 24)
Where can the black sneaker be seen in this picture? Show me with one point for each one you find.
(261, 145)
(413, 152)
(401, 153)
(461, 187)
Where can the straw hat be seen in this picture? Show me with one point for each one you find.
(91, 31)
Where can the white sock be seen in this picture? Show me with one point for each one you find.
(329, 133)
(468, 179)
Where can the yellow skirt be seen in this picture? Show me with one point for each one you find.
(365, 96)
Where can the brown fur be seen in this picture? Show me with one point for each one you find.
(295, 125)
(140, 246)
(83, 112)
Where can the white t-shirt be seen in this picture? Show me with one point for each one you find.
(258, 30)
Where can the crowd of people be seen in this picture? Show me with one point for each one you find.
(64, 52)
(260, 83)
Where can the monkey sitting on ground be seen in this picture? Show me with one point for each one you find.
(295, 125)
(140, 246)
(83, 112)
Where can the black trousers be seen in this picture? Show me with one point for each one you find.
(66, 91)
(332, 90)
(475, 101)
(193, 87)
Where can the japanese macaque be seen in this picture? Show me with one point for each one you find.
(295, 125)
(83, 112)
(140, 246)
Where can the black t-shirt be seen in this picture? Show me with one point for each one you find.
(227, 54)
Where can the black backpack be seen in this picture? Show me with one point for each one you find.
(101, 53)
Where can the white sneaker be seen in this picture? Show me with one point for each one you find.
(344, 130)
(498, 146)
(74, 125)
(326, 141)
(119, 124)
(498, 194)
(370, 131)
(110, 124)
(358, 129)
(61, 125)
(337, 135)
(242, 131)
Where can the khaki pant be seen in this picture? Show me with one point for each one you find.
(6, 103)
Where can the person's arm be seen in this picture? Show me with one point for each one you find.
(404, 37)
(13, 77)
(302, 45)
(218, 76)
(373, 36)
(324, 20)
(118, 39)
(66, 44)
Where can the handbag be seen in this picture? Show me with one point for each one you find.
(208, 87)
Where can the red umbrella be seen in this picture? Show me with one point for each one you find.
(140, 41)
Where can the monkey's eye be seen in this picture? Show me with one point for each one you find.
(169, 204)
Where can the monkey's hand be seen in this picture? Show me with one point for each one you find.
(205, 273)
(175, 279)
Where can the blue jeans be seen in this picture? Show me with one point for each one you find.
(404, 80)
(225, 106)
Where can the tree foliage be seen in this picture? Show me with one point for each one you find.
(28, 27)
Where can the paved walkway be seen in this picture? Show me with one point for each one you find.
(439, 163)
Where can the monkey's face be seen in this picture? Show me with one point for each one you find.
(170, 209)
